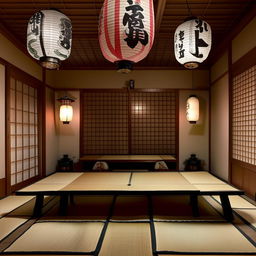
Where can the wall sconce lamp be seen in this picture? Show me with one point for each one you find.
(192, 111)
(66, 110)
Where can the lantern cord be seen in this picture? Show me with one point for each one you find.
(189, 10)
(206, 8)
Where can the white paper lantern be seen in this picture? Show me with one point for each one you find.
(192, 109)
(66, 110)
(126, 31)
(49, 37)
(192, 42)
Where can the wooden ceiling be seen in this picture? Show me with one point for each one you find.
(222, 15)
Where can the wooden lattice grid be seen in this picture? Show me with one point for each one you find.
(244, 116)
(23, 128)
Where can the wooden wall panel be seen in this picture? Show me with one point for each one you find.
(2, 187)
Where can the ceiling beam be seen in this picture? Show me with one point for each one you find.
(159, 14)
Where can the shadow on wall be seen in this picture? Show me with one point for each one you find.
(200, 126)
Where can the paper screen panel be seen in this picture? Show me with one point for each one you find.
(23, 128)
(153, 122)
(105, 122)
(244, 112)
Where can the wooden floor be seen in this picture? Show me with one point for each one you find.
(127, 226)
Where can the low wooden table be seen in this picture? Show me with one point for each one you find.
(131, 183)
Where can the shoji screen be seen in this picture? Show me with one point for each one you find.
(23, 129)
(125, 121)
(153, 122)
(104, 122)
(243, 124)
(244, 116)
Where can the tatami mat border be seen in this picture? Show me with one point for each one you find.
(204, 253)
(237, 214)
(16, 208)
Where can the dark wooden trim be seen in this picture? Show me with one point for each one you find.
(80, 124)
(113, 68)
(250, 167)
(7, 131)
(2, 187)
(209, 128)
(218, 79)
(43, 136)
(230, 98)
(245, 62)
(159, 14)
(129, 113)
(177, 137)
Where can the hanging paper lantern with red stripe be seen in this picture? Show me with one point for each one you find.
(126, 31)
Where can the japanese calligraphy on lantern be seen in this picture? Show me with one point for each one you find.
(192, 42)
(133, 19)
(126, 29)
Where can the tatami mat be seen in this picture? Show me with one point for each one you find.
(238, 202)
(131, 208)
(167, 208)
(100, 181)
(214, 187)
(8, 224)
(201, 238)
(10, 203)
(248, 214)
(201, 178)
(127, 239)
(60, 177)
(59, 236)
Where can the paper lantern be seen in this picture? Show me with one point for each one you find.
(66, 110)
(126, 31)
(192, 42)
(49, 37)
(192, 109)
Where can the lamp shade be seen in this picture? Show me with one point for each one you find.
(192, 42)
(192, 111)
(66, 113)
(126, 31)
(66, 110)
(49, 37)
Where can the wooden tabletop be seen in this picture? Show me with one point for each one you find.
(128, 158)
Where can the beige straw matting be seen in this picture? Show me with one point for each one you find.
(43, 187)
(160, 181)
(127, 239)
(100, 181)
(201, 178)
(10, 203)
(215, 187)
(131, 208)
(248, 214)
(8, 224)
(201, 237)
(178, 207)
(238, 202)
(59, 236)
(60, 177)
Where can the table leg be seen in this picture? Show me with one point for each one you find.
(38, 205)
(227, 210)
(194, 205)
(63, 204)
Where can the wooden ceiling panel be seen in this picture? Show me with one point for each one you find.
(222, 15)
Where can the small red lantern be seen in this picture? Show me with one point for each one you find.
(126, 31)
